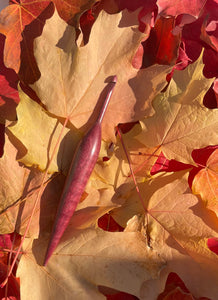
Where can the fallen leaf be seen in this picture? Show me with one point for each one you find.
(161, 227)
(205, 183)
(191, 35)
(180, 227)
(181, 123)
(13, 20)
(90, 258)
(11, 172)
(133, 5)
(74, 76)
(177, 226)
(131, 200)
(70, 10)
(15, 187)
(191, 83)
(39, 133)
(28, 69)
(141, 158)
(168, 8)
(19, 191)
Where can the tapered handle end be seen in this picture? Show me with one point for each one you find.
(114, 79)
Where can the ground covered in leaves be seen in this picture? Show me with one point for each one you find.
(146, 226)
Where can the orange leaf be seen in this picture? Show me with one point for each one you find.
(13, 20)
(205, 183)
(69, 8)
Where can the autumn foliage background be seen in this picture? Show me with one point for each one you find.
(146, 226)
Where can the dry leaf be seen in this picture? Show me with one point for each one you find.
(39, 133)
(180, 229)
(191, 84)
(181, 124)
(73, 77)
(70, 10)
(18, 193)
(13, 20)
(205, 183)
(177, 226)
(180, 7)
(117, 260)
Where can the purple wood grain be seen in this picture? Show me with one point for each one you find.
(81, 168)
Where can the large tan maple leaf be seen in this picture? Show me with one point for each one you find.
(73, 77)
(90, 259)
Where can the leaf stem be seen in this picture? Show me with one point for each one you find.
(131, 170)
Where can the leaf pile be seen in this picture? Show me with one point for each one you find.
(146, 226)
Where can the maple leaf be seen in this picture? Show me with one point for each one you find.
(177, 227)
(11, 194)
(193, 33)
(176, 211)
(141, 158)
(181, 123)
(73, 77)
(91, 258)
(40, 143)
(70, 10)
(205, 183)
(166, 228)
(13, 20)
(132, 203)
(168, 8)
(11, 172)
(19, 191)
(191, 83)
